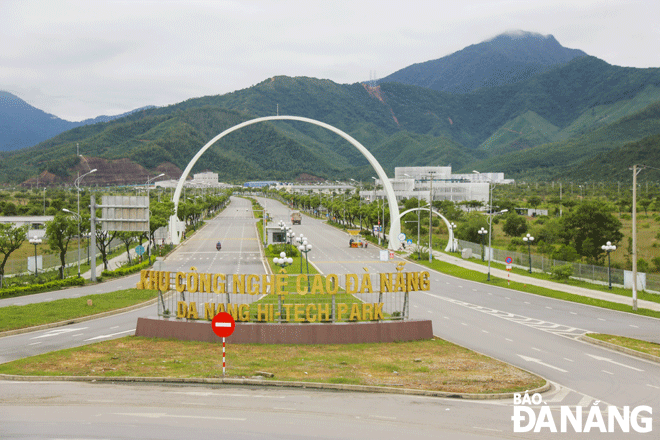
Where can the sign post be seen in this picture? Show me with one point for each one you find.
(223, 325)
(508, 261)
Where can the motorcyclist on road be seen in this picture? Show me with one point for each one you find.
(218, 246)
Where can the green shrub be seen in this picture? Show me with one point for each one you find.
(126, 270)
(45, 287)
(563, 272)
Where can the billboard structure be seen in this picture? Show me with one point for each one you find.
(125, 213)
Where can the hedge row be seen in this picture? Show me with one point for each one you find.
(125, 270)
(45, 287)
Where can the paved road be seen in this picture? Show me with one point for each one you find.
(235, 227)
(535, 333)
(105, 411)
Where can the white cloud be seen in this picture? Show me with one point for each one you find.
(82, 59)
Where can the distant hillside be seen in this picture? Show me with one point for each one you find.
(505, 59)
(543, 127)
(22, 125)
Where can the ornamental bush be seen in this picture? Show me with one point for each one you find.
(45, 287)
(563, 272)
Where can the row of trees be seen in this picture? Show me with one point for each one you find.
(64, 227)
(577, 234)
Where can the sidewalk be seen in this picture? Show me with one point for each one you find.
(596, 294)
(113, 264)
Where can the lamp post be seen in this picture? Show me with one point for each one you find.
(283, 261)
(609, 247)
(452, 225)
(78, 219)
(77, 184)
(431, 216)
(529, 239)
(482, 232)
(35, 241)
(359, 202)
(305, 247)
(491, 185)
(149, 215)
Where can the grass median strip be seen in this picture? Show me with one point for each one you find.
(16, 317)
(467, 274)
(429, 365)
(633, 344)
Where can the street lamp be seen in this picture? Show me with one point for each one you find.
(482, 232)
(609, 247)
(491, 185)
(35, 241)
(149, 214)
(78, 219)
(359, 202)
(529, 239)
(452, 226)
(283, 261)
(77, 185)
(305, 247)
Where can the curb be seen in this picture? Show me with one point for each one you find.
(628, 351)
(77, 320)
(273, 383)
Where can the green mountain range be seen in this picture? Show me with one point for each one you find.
(557, 124)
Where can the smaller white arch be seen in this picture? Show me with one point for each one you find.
(450, 243)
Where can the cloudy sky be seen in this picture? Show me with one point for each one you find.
(82, 59)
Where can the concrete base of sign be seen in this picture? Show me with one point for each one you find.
(261, 333)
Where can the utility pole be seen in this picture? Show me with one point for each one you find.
(634, 235)
(431, 217)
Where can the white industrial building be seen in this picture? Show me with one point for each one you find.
(438, 183)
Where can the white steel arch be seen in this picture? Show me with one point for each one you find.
(449, 247)
(395, 226)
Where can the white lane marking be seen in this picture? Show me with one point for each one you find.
(569, 360)
(652, 386)
(208, 394)
(601, 319)
(560, 395)
(633, 326)
(486, 429)
(536, 349)
(604, 359)
(109, 336)
(608, 372)
(382, 417)
(484, 331)
(538, 361)
(572, 313)
(585, 401)
(112, 328)
(507, 339)
(177, 416)
(462, 323)
(58, 332)
(36, 343)
(76, 335)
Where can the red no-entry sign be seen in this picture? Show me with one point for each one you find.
(223, 324)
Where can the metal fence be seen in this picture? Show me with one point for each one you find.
(290, 308)
(586, 272)
(52, 261)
